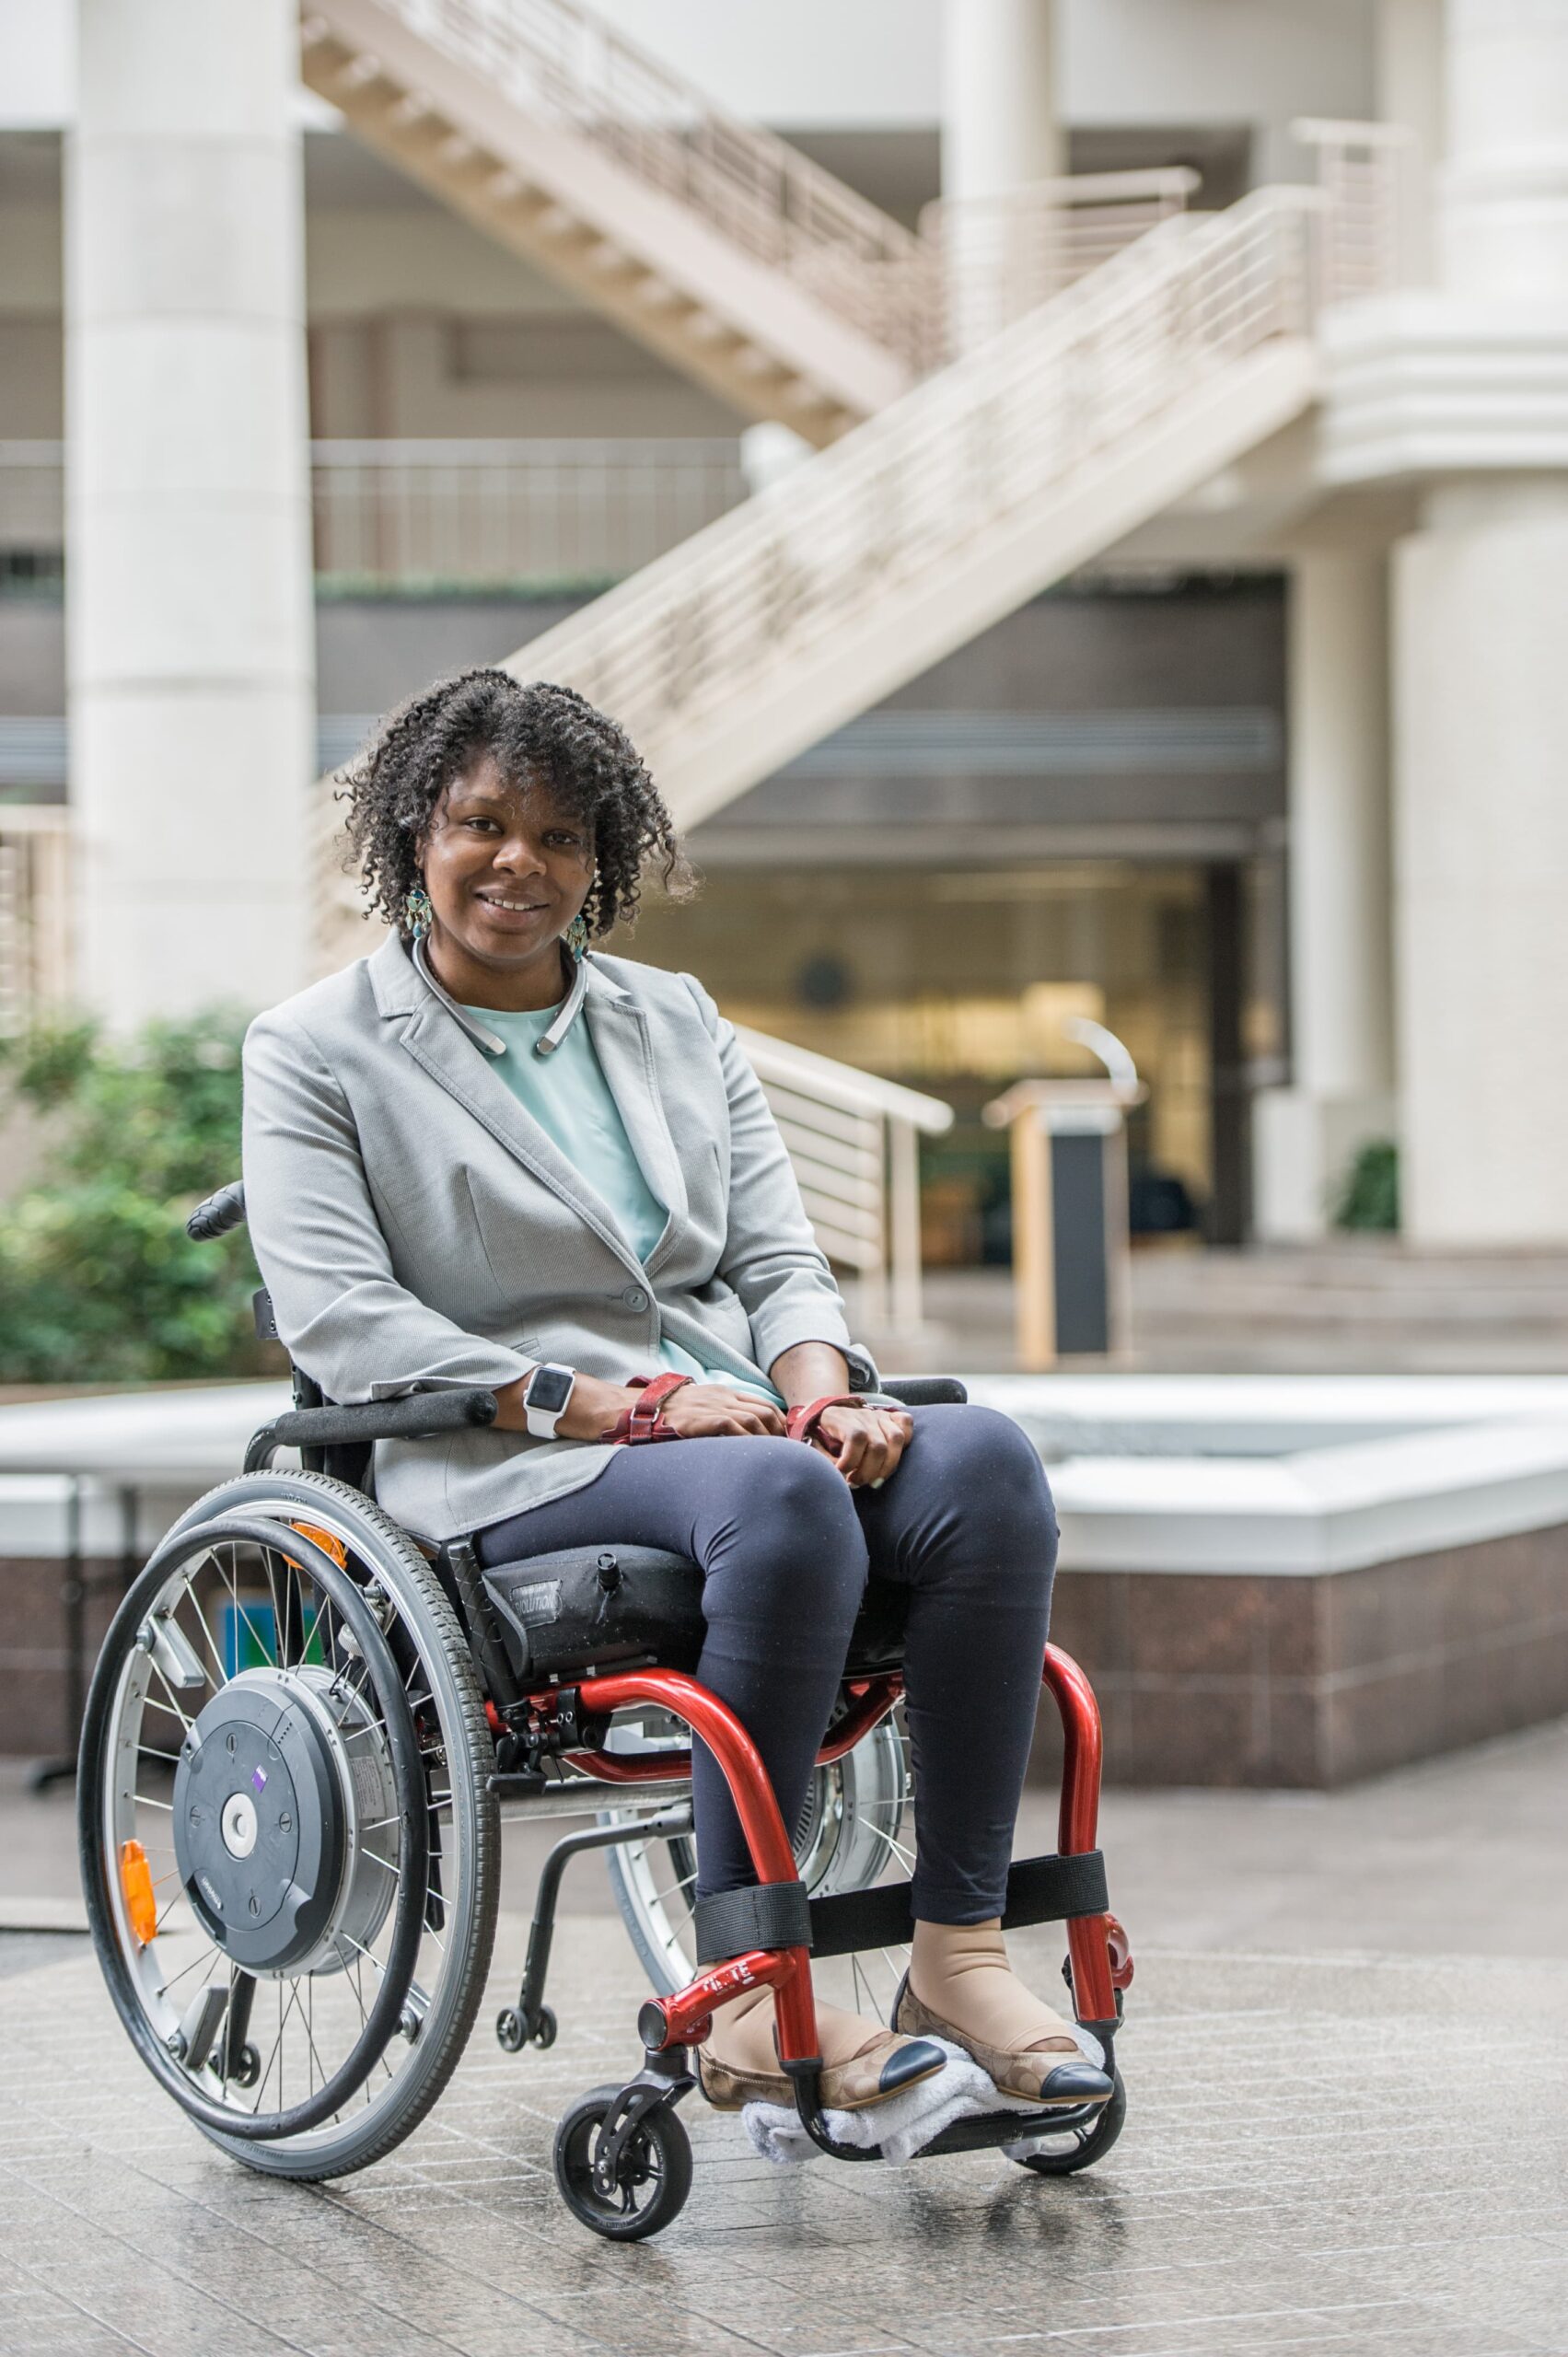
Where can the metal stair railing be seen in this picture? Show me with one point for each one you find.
(996, 257)
(548, 511)
(853, 1141)
(36, 904)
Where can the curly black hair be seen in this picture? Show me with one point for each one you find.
(537, 732)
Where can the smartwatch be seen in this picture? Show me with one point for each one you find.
(545, 1395)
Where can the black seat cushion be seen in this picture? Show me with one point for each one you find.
(611, 1606)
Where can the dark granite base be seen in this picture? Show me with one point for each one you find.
(1314, 1682)
(1230, 1680)
(33, 1649)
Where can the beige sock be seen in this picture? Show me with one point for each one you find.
(743, 2033)
(962, 1973)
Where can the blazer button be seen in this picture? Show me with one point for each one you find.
(634, 1297)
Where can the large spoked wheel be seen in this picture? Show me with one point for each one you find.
(637, 2192)
(1080, 2148)
(288, 1853)
(852, 1832)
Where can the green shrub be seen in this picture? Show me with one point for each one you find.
(1368, 1196)
(99, 1281)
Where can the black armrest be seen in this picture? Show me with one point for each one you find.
(420, 1416)
(926, 1390)
(217, 1213)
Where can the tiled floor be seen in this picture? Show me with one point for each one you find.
(1321, 2154)
(1347, 2062)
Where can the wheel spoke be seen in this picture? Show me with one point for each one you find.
(171, 1704)
(202, 1619)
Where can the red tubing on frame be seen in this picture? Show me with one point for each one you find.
(752, 1792)
(875, 1699)
(1088, 1937)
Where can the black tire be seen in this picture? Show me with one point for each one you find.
(1092, 2142)
(464, 1913)
(654, 2175)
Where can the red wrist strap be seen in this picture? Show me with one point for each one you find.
(801, 1422)
(645, 1418)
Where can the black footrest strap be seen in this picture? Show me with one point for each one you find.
(774, 1915)
(1039, 1890)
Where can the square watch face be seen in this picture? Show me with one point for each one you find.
(549, 1389)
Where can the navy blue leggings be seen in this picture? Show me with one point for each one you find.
(965, 1522)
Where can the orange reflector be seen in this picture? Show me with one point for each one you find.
(136, 1883)
(324, 1540)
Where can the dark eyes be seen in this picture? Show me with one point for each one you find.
(560, 838)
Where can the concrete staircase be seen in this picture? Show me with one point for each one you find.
(720, 247)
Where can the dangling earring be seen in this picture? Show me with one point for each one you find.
(417, 911)
(577, 934)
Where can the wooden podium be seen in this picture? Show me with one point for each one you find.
(1071, 1246)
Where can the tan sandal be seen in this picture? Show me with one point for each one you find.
(1036, 2074)
(887, 2065)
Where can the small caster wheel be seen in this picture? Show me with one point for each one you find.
(652, 2175)
(509, 2031)
(247, 2069)
(1080, 2148)
(544, 2029)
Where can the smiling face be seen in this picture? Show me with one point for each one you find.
(507, 868)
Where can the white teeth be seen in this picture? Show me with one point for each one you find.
(497, 903)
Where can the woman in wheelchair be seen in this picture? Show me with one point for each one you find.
(491, 1155)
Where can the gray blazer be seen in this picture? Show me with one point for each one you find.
(416, 1227)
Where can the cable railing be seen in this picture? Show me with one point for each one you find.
(433, 514)
(1361, 169)
(35, 914)
(540, 512)
(994, 258)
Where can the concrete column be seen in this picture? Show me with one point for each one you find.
(192, 693)
(1409, 91)
(1504, 227)
(1482, 836)
(1481, 685)
(1000, 131)
(999, 116)
(1341, 1095)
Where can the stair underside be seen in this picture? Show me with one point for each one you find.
(737, 325)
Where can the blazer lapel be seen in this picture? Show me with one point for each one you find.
(442, 1048)
(620, 1032)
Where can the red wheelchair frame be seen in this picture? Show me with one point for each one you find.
(1101, 1965)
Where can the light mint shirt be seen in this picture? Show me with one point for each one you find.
(569, 1097)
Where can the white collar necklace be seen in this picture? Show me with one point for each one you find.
(545, 1045)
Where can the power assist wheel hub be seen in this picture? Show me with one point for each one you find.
(284, 1821)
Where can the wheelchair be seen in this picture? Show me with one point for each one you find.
(300, 1732)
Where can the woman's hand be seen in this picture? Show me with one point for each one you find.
(864, 1443)
(701, 1410)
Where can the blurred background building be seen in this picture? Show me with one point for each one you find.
(1071, 495)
